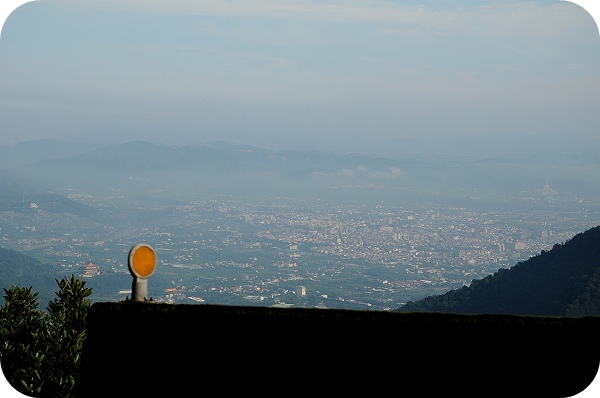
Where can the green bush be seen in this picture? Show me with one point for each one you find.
(40, 352)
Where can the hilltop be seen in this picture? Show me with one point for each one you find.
(563, 281)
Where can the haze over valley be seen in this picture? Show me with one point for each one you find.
(312, 153)
(236, 224)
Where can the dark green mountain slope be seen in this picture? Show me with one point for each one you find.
(17, 269)
(564, 281)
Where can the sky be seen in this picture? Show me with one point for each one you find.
(465, 77)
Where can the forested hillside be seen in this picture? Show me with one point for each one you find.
(563, 281)
(17, 269)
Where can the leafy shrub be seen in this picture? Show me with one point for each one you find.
(40, 351)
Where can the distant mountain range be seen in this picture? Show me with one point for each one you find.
(17, 155)
(144, 168)
(564, 281)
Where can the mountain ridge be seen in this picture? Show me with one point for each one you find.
(563, 281)
(231, 168)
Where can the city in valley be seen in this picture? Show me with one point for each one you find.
(338, 254)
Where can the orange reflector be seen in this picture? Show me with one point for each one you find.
(142, 260)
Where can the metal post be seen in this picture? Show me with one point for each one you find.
(142, 263)
(139, 289)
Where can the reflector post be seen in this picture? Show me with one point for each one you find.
(142, 263)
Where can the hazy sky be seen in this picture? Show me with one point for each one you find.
(460, 77)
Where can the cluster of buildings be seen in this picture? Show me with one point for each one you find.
(323, 254)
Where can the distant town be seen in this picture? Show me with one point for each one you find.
(286, 252)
